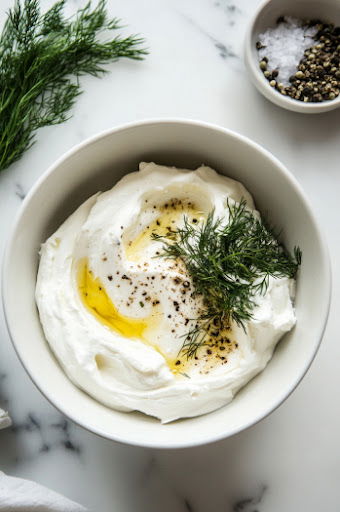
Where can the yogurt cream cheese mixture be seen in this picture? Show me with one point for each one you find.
(117, 312)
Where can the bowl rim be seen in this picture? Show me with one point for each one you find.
(262, 84)
(323, 247)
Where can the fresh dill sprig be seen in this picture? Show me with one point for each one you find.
(42, 57)
(229, 264)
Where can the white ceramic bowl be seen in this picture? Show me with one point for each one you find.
(265, 17)
(96, 165)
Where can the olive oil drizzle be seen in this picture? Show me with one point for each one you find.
(98, 303)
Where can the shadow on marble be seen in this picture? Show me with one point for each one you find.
(300, 128)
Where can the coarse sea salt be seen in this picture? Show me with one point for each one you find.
(284, 46)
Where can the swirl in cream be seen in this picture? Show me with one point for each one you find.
(115, 313)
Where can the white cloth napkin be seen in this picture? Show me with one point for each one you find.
(18, 495)
(5, 420)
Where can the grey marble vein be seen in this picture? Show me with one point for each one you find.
(229, 7)
(3, 397)
(250, 504)
(149, 470)
(188, 505)
(64, 427)
(46, 431)
(226, 51)
(19, 191)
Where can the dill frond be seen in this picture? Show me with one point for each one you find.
(42, 57)
(229, 265)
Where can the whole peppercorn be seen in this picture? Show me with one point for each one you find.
(299, 74)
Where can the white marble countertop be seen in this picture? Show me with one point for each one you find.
(288, 462)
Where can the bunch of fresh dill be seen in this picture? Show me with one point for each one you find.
(229, 264)
(42, 57)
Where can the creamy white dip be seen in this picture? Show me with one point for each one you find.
(115, 313)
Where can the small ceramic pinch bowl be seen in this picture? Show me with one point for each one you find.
(266, 16)
(98, 164)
